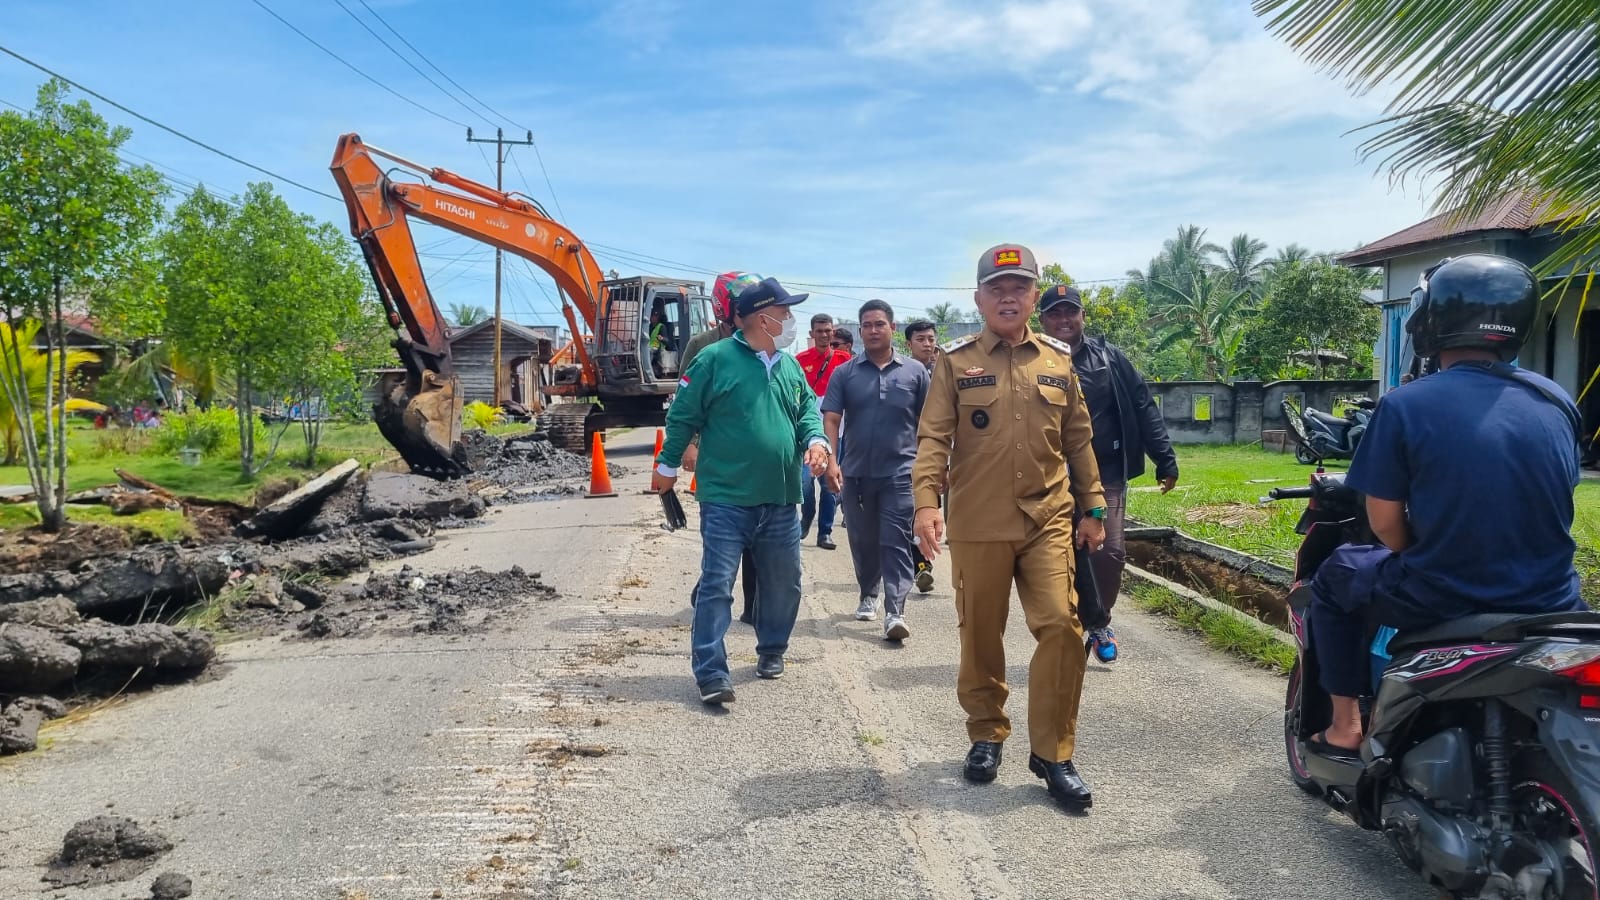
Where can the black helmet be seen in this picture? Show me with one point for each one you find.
(1477, 302)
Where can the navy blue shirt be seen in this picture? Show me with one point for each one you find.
(1486, 468)
(881, 408)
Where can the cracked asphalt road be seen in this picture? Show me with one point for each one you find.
(565, 754)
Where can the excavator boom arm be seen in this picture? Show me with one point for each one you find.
(422, 417)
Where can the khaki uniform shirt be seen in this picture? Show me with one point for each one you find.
(1010, 423)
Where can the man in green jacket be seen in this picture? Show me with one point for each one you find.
(727, 284)
(758, 421)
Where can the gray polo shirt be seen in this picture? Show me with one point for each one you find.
(881, 408)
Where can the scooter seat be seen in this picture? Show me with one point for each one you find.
(1489, 628)
(1324, 418)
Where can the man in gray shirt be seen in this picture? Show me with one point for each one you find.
(880, 393)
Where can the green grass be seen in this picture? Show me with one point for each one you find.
(94, 457)
(1216, 480)
(154, 524)
(1228, 633)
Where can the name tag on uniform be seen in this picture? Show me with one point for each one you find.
(1054, 381)
(976, 381)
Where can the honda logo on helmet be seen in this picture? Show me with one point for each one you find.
(1495, 326)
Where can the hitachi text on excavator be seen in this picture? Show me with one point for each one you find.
(621, 367)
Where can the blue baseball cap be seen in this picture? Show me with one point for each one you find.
(763, 294)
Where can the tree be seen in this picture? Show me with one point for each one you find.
(264, 293)
(1182, 259)
(1120, 317)
(16, 349)
(466, 316)
(1486, 105)
(1315, 308)
(1243, 260)
(944, 315)
(71, 217)
(1203, 314)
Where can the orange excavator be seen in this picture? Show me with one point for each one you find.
(621, 367)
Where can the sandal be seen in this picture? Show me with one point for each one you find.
(1318, 744)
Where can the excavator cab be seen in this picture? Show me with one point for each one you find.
(646, 325)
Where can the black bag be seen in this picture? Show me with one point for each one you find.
(673, 508)
(1091, 613)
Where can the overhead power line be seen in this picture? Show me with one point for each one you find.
(352, 67)
(402, 57)
(442, 73)
(167, 128)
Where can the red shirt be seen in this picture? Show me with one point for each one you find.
(819, 366)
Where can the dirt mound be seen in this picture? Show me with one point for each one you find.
(105, 849)
(30, 550)
(525, 467)
(402, 602)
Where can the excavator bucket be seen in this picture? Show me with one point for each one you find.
(425, 424)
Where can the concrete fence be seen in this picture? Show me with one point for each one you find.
(1211, 412)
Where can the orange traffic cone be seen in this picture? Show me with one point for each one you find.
(661, 438)
(599, 475)
(694, 483)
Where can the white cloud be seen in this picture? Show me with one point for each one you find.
(1209, 75)
(1014, 34)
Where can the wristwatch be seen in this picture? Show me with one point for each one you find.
(1099, 512)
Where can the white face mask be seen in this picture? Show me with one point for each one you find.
(786, 332)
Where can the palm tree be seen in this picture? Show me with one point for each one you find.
(1243, 260)
(17, 344)
(1203, 313)
(945, 315)
(465, 315)
(1488, 102)
(1180, 260)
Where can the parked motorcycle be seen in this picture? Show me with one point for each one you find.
(1320, 436)
(1482, 757)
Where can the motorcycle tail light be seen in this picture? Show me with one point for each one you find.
(1579, 662)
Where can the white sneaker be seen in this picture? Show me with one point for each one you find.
(867, 611)
(894, 629)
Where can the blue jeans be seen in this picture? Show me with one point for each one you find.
(771, 533)
(808, 502)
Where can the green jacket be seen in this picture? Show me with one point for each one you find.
(697, 343)
(754, 425)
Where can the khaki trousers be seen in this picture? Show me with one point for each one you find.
(1041, 565)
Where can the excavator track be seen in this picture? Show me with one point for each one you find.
(569, 426)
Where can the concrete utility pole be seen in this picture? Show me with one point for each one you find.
(500, 143)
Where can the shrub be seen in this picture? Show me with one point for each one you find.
(120, 442)
(214, 431)
(481, 416)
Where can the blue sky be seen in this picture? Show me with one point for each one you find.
(844, 143)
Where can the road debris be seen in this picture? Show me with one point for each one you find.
(408, 602)
(171, 886)
(525, 468)
(105, 849)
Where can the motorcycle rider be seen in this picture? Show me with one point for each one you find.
(1468, 476)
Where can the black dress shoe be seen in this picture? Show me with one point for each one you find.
(1062, 781)
(770, 665)
(826, 543)
(983, 762)
(805, 528)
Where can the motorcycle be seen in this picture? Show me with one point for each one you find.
(1320, 436)
(1481, 762)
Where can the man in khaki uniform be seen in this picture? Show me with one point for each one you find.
(1005, 413)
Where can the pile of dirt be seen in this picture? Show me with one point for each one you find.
(402, 602)
(30, 550)
(106, 849)
(525, 467)
(46, 646)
